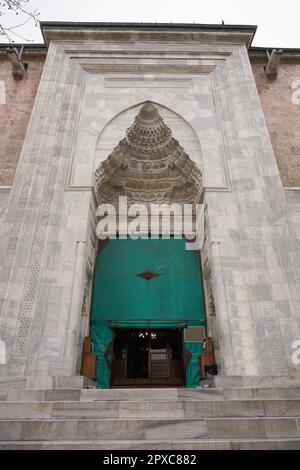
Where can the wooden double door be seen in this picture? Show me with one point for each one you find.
(147, 357)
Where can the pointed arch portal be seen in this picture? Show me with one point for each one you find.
(147, 292)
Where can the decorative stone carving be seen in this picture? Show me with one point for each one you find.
(148, 166)
(210, 304)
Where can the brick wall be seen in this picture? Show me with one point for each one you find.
(283, 118)
(16, 102)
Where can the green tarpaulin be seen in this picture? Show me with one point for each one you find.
(145, 283)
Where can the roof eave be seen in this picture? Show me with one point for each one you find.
(70, 31)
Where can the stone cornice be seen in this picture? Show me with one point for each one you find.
(222, 34)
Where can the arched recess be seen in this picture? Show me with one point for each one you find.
(150, 162)
(109, 137)
(114, 131)
(149, 165)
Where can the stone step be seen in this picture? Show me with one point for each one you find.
(77, 382)
(175, 444)
(254, 381)
(148, 409)
(73, 382)
(149, 394)
(149, 429)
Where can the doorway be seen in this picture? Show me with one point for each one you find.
(147, 357)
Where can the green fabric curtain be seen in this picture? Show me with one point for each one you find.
(193, 372)
(101, 335)
(125, 297)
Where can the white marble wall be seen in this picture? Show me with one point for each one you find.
(4, 196)
(89, 94)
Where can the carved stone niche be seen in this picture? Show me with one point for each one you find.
(148, 166)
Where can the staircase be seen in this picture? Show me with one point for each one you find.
(207, 418)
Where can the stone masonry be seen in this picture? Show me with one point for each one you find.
(94, 78)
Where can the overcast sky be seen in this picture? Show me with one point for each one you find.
(277, 20)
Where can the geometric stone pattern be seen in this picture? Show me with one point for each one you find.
(17, 338)
(39, 243)
(15, 223)
(38, 248)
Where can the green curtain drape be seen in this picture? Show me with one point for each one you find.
(101, 335)
(193, 371)
(144, 283)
